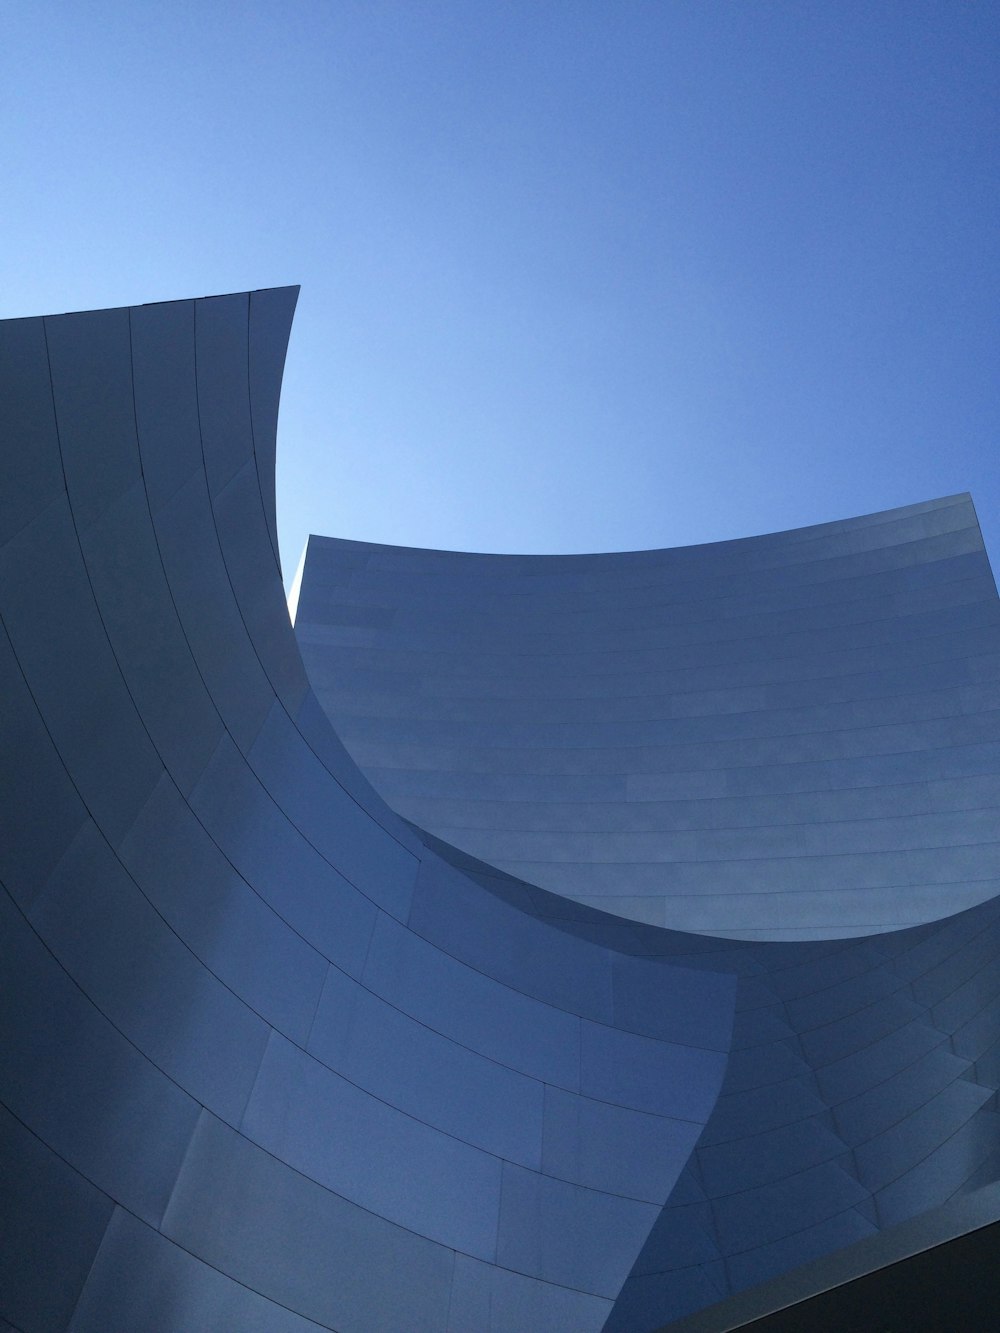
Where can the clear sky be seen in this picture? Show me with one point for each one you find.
(576, 274)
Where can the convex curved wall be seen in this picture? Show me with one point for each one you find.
(790, 736)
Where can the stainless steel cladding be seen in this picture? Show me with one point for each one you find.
(783, 737)
(273, 1058)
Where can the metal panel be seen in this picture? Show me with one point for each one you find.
(145, 980)
(141, 1280)
(408, 1065)
(566, 1234)
(300, 1245)
(367, 1151)
(53, 1221)
(73, 1079)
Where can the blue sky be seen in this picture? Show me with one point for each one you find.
(576, 274)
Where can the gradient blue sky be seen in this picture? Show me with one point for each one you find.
(576, 274)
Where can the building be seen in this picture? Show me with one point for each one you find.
(275, 1058)
(781, 737)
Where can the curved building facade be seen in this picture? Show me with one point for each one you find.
(275, 1058)
(790, 736)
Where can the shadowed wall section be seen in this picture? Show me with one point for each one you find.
(782, 737)
(274, 1059)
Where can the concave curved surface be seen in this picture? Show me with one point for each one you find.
(272, 1058)
(784, 737)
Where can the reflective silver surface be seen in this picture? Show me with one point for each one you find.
(774, 738)
(274, 1058)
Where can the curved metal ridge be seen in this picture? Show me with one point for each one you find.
(793, 736)
(274, 1059)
